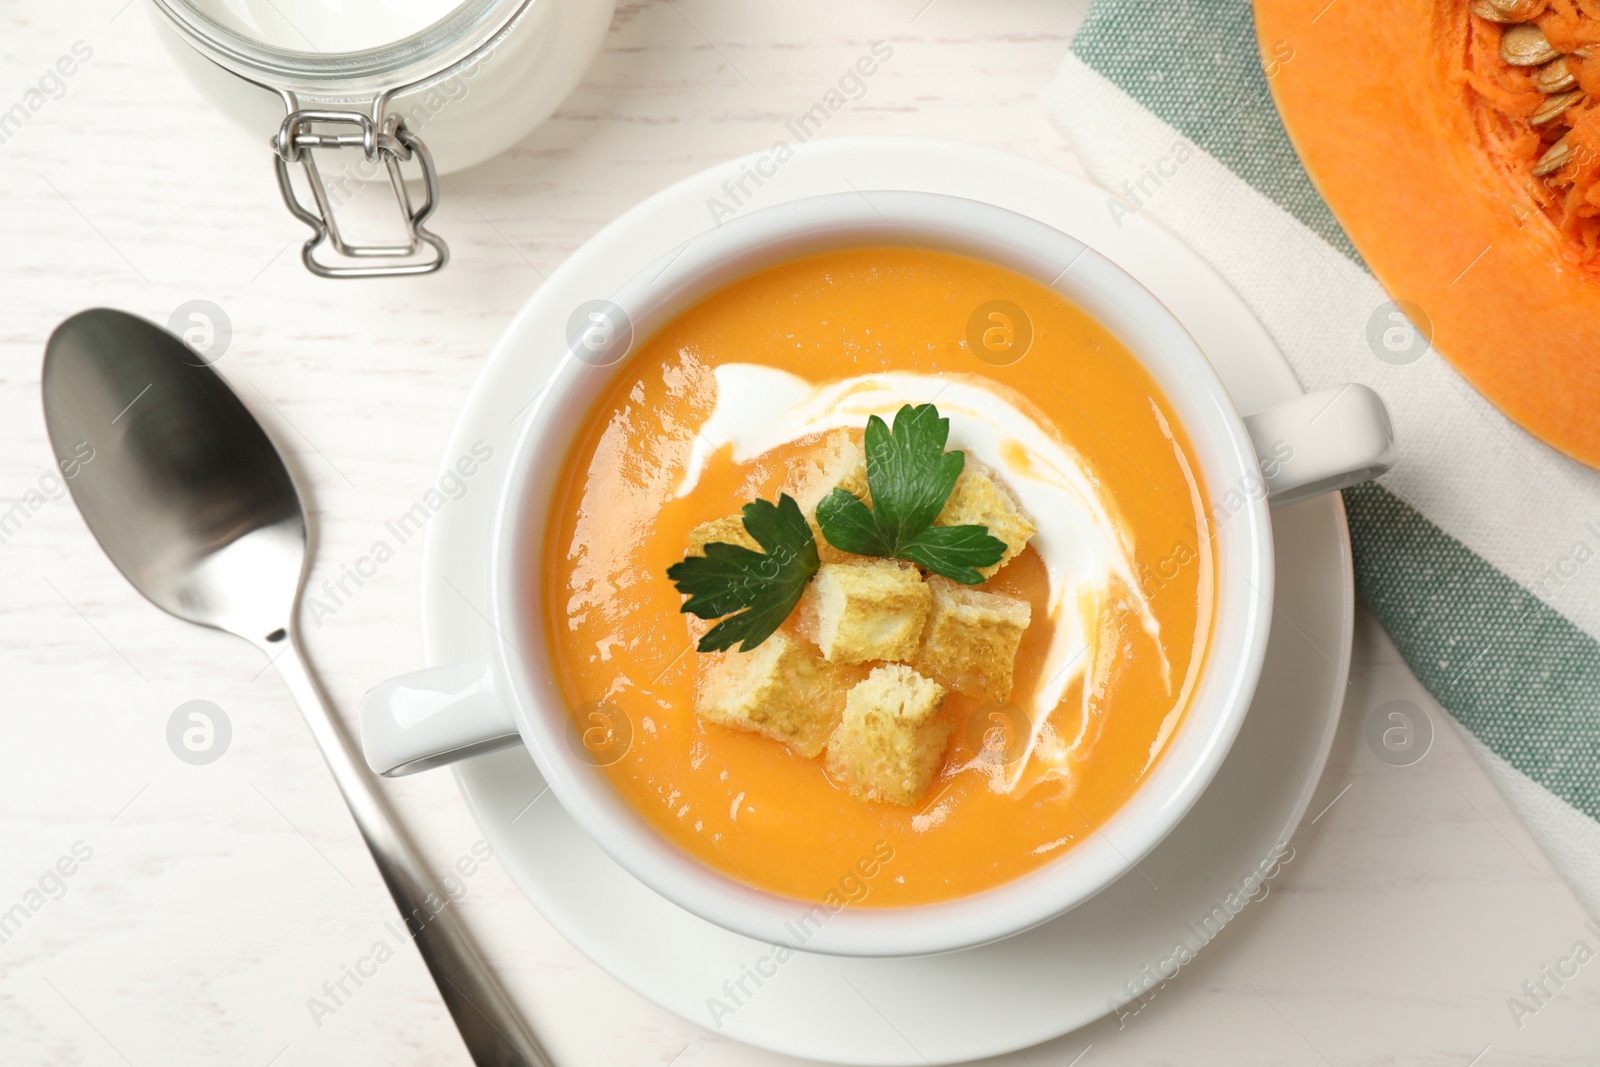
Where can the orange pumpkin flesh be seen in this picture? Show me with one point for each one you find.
(1417, 138)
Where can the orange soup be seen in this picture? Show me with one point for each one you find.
(1116, 583)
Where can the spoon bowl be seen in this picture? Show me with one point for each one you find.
(188, 495)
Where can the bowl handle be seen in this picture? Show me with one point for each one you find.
(436, 716)
(1321, 442)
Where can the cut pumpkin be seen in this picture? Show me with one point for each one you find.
(1458, 143)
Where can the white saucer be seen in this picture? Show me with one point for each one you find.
(980, 1002)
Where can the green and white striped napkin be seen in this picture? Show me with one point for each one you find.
(1480, 552)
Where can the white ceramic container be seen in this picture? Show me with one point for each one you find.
(443, 97)
(1316, 443)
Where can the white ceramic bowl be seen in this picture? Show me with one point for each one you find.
(1320, 442)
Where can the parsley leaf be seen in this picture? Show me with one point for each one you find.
(755, 590)
(910, 477)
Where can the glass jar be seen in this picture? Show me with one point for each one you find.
(477, 80)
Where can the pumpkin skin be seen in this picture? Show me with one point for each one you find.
(1374, 104)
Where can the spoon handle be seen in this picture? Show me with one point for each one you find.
(494, 1033)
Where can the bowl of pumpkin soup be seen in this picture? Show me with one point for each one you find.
(879, 574)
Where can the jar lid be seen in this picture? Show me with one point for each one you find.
(430, 54)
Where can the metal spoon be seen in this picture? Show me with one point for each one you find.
(193, 503)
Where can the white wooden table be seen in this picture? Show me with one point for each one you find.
(217, 900)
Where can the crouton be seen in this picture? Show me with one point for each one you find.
(971, 637)
(982, 499)
(866, 609)
(730, 530)
(837, 463)
(777, 689)
(892, 738)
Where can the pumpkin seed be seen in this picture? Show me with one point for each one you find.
(1554, 158)
(1506, 11)
(1554, 77)
(1555, 107)
(1524, 45)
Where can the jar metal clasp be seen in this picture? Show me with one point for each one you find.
(382, 139)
